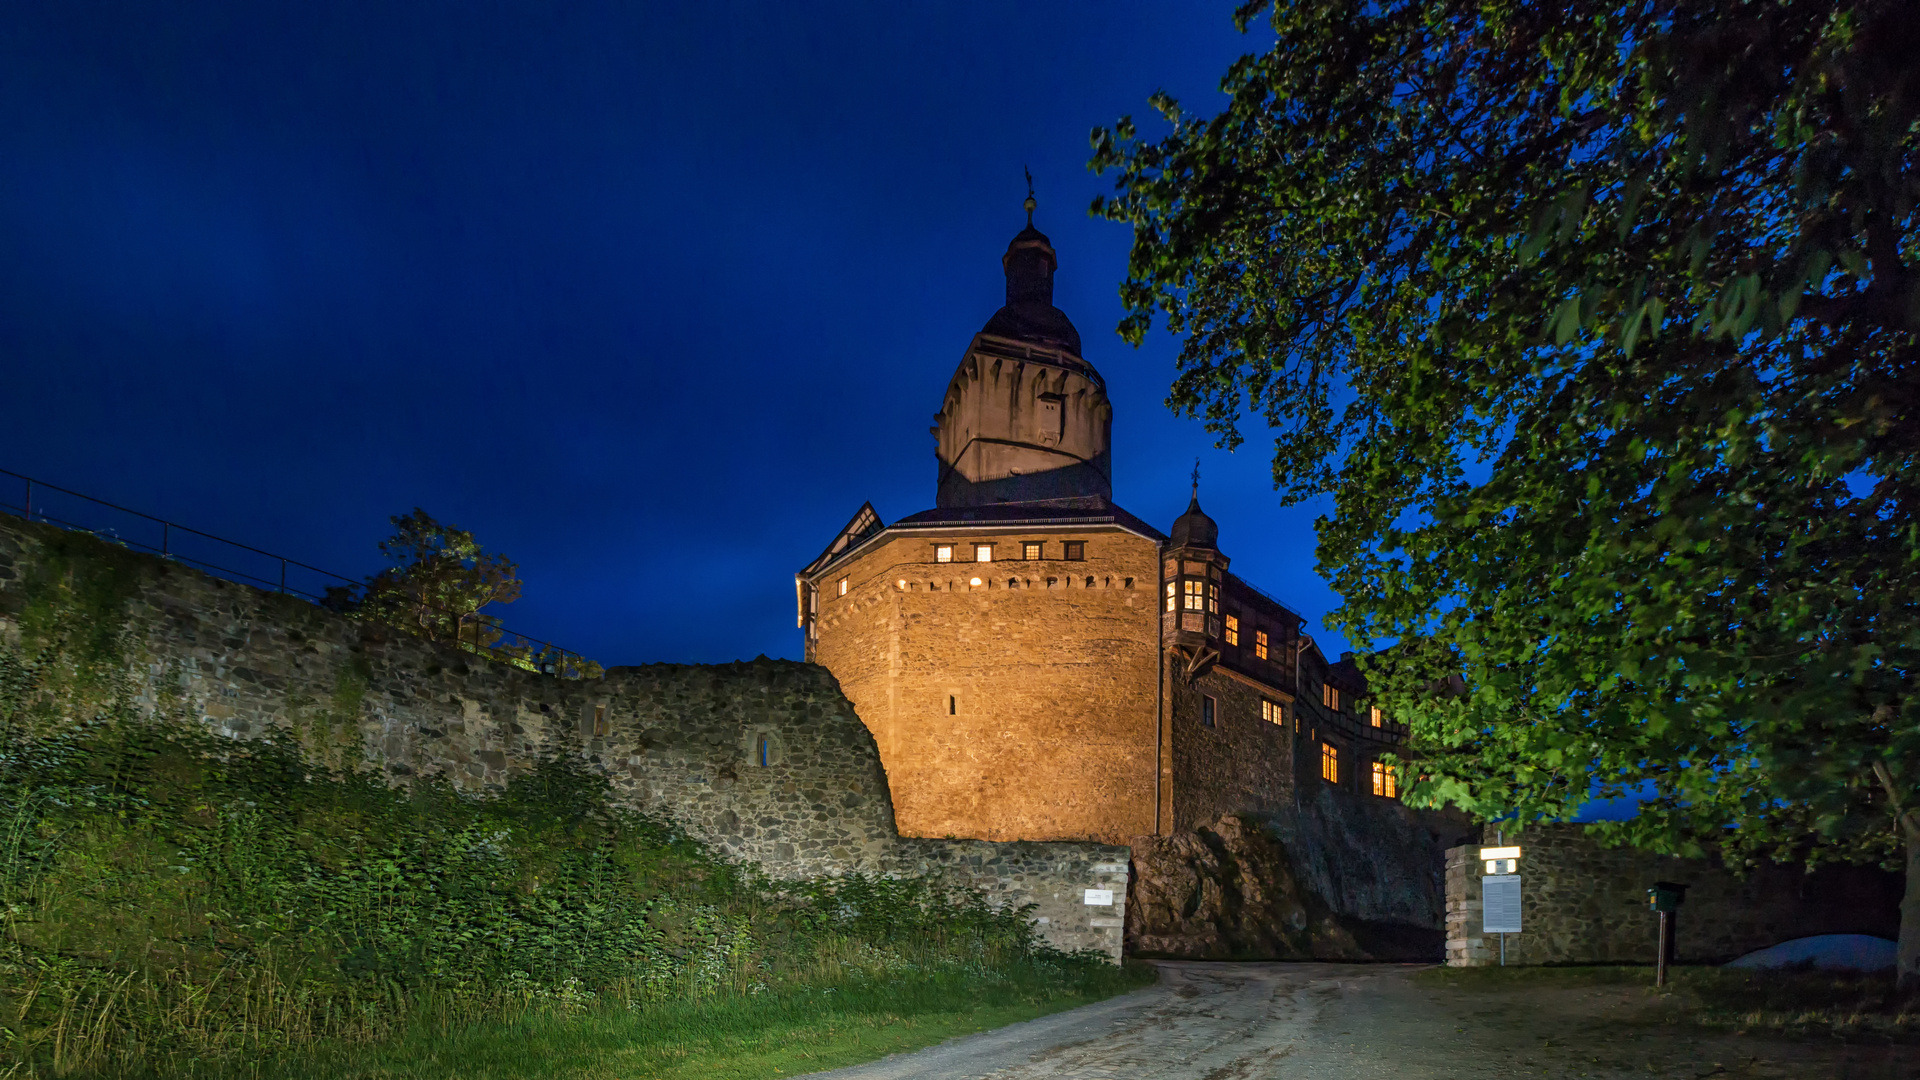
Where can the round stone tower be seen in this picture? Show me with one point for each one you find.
(1025, 419)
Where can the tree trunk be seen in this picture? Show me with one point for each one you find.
(1909, 962)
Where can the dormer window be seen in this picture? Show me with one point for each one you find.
(943, 553)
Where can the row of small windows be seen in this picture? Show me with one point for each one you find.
(1262, 644)
(1386, 783)
(1030, 550)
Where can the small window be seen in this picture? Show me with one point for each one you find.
(975, 583)
(943, 553)
(843, 586)
(1374, 717)
(1273, 712)
(600, 719)
(813, 600)
(1233, 630)
(1172, 591)
(953, 705)
(1260, 644)
(1207, 706)
(1330, 696)
(983, 553)
(1329, 763)
(763, 751)
(1194, 593)
(1076, 550)
(1030, 551)
(1213, 599)
(1384, 782)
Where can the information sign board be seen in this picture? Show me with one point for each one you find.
(1500, 904)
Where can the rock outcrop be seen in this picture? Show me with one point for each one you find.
(1228, 891)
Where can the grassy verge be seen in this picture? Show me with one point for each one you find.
(1788, 1002)
(771, 1035)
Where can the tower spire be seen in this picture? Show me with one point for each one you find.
(1196, 480)
(1029, 204)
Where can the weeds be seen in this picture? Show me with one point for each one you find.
(170, 896)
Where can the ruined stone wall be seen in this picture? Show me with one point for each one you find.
(1581, 903)
(675, 740)
(1021, 707)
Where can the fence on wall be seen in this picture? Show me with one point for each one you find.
(50, 504)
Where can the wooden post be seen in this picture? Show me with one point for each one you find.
(1666, 943)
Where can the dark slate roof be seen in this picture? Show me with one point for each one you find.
(1087, 510)
(1195, 527)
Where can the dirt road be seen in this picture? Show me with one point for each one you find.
(1346, 1022)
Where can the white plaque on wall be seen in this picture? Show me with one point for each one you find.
(1100, 897)
(1500, 904)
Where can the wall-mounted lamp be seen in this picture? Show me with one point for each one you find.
(1501, 860)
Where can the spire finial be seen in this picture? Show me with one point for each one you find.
(1196, 479)
(1029, 204)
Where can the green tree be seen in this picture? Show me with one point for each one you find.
(1597, 323)
(441, 580)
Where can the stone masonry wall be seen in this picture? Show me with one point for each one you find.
(1581, 903)
(1020, 707)
(675, 740)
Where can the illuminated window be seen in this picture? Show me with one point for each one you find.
(843, 586)
(1329, 763)
(1330, 696)
(1233, 630)
(1207, 706)
(1030, 550)
(1213, 599)
(1384, 782)
(975, 583)
(901, 584)
(1373, 716)
(1260, 644)
(1172, 591)
(599, 719)
(1076, 550)
(943, 553)
(1196, 596)
(983, 553)
(1273, 712)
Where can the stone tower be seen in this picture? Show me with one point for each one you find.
(1025, 418)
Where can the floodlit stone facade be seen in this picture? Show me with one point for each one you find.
(1037, 663)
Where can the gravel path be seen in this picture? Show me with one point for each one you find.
(1206, 1021)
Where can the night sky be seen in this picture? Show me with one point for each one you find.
(648, 296)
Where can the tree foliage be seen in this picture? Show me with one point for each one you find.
(1596, 321)
(440, 584)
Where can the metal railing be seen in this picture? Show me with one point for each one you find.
(75, 511)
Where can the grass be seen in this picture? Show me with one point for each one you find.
(1789, 1002)
(784, 1034)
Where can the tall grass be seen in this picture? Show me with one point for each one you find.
(172, 900)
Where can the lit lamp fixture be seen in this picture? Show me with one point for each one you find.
(1501, 860)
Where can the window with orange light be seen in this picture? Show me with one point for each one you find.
(1385, 783)
(1329, 763)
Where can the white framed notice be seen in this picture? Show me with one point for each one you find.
(1099, 898)
(1500, 904)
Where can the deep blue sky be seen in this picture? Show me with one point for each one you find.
(649, 296)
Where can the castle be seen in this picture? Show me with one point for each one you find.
(1036, 663)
